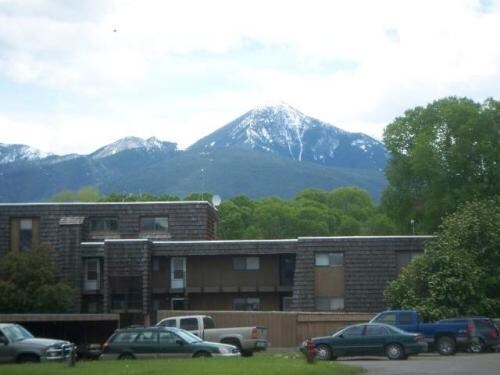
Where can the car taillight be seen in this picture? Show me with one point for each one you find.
(419, 338)
(254, 333)
(104, 345)
(470, 328)
(493, 333)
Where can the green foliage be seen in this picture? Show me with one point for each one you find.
(441, 155)
(27, 284)
(85, 194)
(458, 273)
(313, 212)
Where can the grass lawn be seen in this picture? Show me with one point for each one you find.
(257, 365)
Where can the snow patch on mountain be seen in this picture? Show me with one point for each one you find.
(129, 143)
(14, 153)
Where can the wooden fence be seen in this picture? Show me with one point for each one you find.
(284, 329)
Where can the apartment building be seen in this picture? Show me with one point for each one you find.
(136, 258)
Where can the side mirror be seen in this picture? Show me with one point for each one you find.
(341, 336)
(3, 340)
(179, 342)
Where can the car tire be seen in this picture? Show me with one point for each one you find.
(446, 345)
(477, 346)
(324, 352)
(394, 352)
(126, 356)
(202, 355)
(25, 358)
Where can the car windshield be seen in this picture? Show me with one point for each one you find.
(187, 336)
(17, 333)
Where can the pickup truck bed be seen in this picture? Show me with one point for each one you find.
(445, 338)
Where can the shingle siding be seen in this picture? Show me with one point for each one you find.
(369, 262)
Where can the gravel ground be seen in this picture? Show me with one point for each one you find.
(430, 364)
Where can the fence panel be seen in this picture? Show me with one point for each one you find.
(284, 329)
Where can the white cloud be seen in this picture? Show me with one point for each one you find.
(400, 54)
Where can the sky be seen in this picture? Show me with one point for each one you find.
(76, 75)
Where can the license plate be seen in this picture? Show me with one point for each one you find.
(261, 344)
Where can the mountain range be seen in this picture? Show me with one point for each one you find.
(268, 151)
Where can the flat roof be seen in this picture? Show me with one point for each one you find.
(15, 318)
(101, 203)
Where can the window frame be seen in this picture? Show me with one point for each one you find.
(155, 228)
(330, 256)
(245, 262)
(106, 227)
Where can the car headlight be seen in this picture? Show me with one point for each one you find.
(223, 350)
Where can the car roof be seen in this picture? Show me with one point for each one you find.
(143, 328)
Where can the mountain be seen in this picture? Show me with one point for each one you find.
(16, 153)
(269, 151)
(129, 143)
(285, 131)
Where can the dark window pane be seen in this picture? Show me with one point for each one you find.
(189, 324)
(372, 330)
(239, 263)
(208, 323)
(104, 224)
(405, 318)
(25, 234)
(353, 331)
(154, 224)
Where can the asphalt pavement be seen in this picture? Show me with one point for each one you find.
(431, 364)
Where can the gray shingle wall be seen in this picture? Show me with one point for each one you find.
(187, 220)
(369, 265)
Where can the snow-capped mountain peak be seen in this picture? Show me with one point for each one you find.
(18, 152)
(129, 143)
(284, 130)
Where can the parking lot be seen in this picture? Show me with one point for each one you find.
(430, 364)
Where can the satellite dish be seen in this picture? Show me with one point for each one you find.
(216, 200)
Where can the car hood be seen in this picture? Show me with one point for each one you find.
(41, 342)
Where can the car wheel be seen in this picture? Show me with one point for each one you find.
(477, 346)
(446, 345)
(126, 356)
(394, 351)
(25, 358)
(202, 355)
(324, 352)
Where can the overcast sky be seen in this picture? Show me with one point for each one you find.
(75, 75)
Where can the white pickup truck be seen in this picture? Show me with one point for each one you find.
(246, 339)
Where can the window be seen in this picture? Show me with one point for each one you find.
(125, 337)
(147, 337)
(92, 269)
(388, 318)
(375, 330)
(24, 234)
(246, 263)
(405, 318)
(287, 304)
(329, 259)
(246, 304)
(168, 338)
(287, 269)
(154, 224)
(126, 292)
(208, 323)
(353, 331)
(189, 324)
(104, 224)
(168, 323)
(329, 303)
